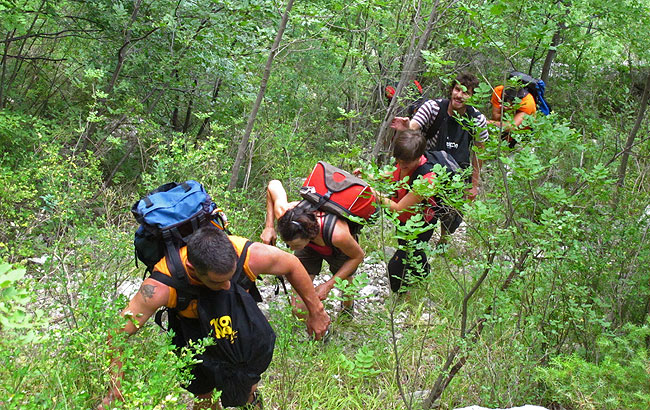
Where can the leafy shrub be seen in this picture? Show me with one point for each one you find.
(618, 380)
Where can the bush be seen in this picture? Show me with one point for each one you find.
(618, 380)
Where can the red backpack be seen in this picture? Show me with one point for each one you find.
(338, 192)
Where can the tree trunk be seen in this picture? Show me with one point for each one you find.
(622, 169)
(250, 163)
(21, 49)
(251, 118)
(215, 94)
(552, 52)
(407, 76)
(188, 113)
(3, 63)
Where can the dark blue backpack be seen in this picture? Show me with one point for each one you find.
(534, 86)
(168, 216)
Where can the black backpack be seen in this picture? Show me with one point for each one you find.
(243, 338)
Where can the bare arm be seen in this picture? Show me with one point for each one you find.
(496, 113)
(343, 240)
(404, 123)
(151, 296)
(270, 260)
(268, 235)
(278, 198)
(477, 163)
(406, 202)
(511, 125)
(276, 205)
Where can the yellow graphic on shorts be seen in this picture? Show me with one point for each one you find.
(223, 328)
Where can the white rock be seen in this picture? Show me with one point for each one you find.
(39, 261)
(369, 290)
(129, 287)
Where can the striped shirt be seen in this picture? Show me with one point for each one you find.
(427, 113)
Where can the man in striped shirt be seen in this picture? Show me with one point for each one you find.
(453, 126)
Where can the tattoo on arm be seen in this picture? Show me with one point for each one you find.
(147, 291)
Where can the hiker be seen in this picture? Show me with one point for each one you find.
(413, 105)
(452, 126)
(216, 264)
(410, 259)
(314, 236)
(516, 101)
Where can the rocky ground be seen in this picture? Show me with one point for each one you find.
(371, 296)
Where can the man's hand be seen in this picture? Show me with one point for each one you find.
(472, 193)
(400, 123)
(269, 236)
(323, 290)
(317, 324)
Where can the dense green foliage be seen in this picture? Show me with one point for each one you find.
(543, 298)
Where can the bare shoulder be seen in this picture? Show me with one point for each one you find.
(267, 259)
(341, 227)
(284, 207)
(345, 241)
(341, 232)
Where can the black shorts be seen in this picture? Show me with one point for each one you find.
(313, 261)
(235, 391)
(449, 218)
(214, 374)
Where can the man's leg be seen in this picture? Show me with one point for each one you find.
(204, 401)
(396, 270)
(312, 261)
(450, 220)
(410, 261)
(254, 400)
(202, 386)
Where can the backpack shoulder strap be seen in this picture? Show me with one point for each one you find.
(185, 292)
(472, 113)
(181, 302)
(328, 229)
(306, 205)
(242, 279)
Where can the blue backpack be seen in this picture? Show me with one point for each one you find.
(534, 86)
(168, 216)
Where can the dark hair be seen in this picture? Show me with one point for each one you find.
(210, 250)
(297, 223)
(408, 145)
(468, 80)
